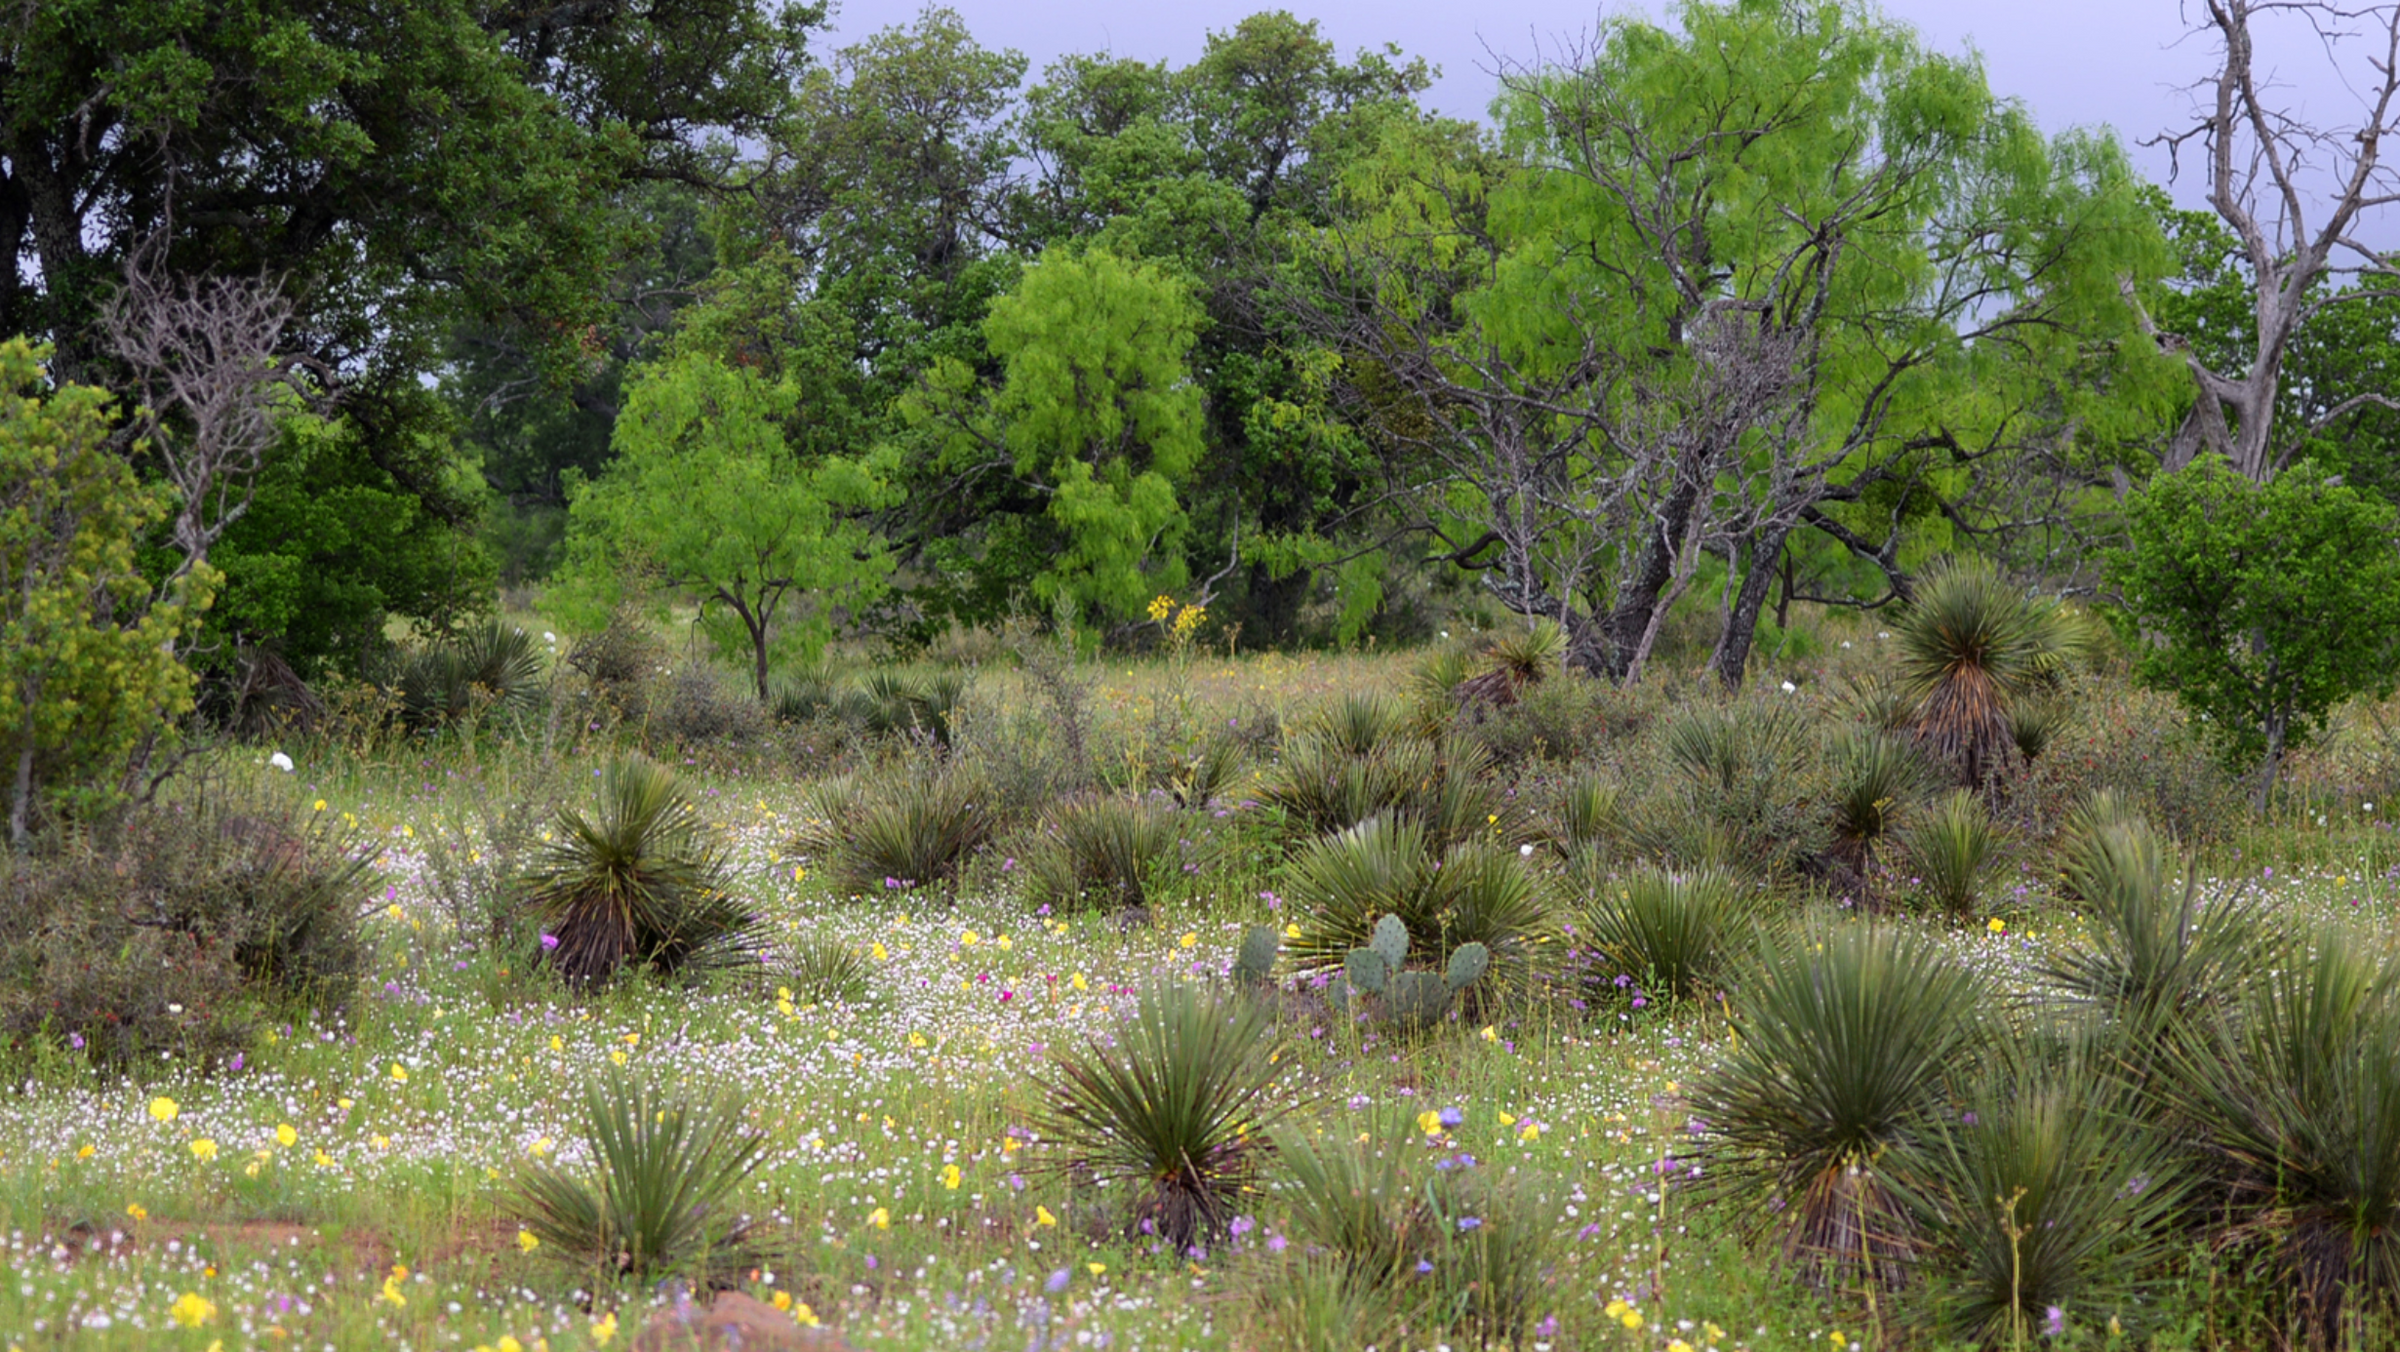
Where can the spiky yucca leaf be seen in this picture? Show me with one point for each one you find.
(1588, 814)
(639, 882)
(657, 1194)
(1099, 852)
(821, 969)
(1879, 776)
(1360, 724)
(1852, 1042)
(1175, 1105)
(2155, 954)
(1676, 933)
(2093, 813)
(1323, 786)
(914, 830)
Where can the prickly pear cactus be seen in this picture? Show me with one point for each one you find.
(1391, 941)
(1256, 962)
(1366, 970)
(1468, 963)
(1417, 999)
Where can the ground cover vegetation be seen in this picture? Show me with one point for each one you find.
(666, 685)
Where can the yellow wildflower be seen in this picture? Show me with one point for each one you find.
(287, 1136)
(880, 1218)
(950, 1177)
(163, 1109)
(604, 1329)
(204, 1149)
(1190, 937)
(527, 1242)
(1042, 1216)
(191, 1309)
(137, 1211)
(399, 1073)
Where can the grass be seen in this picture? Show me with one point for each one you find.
(900, 1192)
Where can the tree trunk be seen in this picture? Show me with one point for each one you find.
(2276, 723)
(1621, 633)
(1731, 660)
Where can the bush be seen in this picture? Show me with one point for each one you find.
(694, 706)
(160, 938)
(658, 1194)
(1174, 1105)
(1954, 849)
(639, 883)
(1100, 852)
(823, 970)
(1971, 646)
(915, 829)
(1742, 799)
(2156, 956)
(1675, 934)
(1474, 893)
(619, 662)
(1852, 1043)
(1878, 777)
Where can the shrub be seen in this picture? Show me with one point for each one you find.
(2049, 1193)
(805, 695)
(158, 940)
(658, 1193)
(913, 830)
(1742, 799)
(1099, 852)
(619, 662)
(821, 969)
(1954, 849)
(1175, 1105)
(2299, 1099)
(694, 706)
(1474, 893)
(1359, 724)
(490, 666)
(1878, 777)
(1323, 786)
(1676, 933)
(637, 883)
(1851, 1043)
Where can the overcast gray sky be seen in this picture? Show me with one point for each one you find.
(2122, 63)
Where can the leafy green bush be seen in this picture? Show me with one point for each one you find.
(1175, 1105)
(1954, 848)
(1100, 852)
(1852, 1043)
(658, 1194)
(639, 883)
(1677, 934)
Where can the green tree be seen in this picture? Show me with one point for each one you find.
(79, 685)
(2275, 602)
(1095, 414)
(706, 499)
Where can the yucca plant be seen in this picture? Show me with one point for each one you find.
(1878, 777)
(1515, 661)
(2050, 1192)
(1852, 1042)
(492, 664)
(1464, 801)
(1954, 847)
(1323, 786)
(2298, 1100)
(1360, 723)
(1676, 933)
(2093, 813)
(822, 970)
(1742, 799)
(1970, 644)
(1212, 771)
(639, 882)
(2155, 953)
(1433, 690)
(1589, 814)
(809, 693)
(1175, 1105)
(1099, 852)
(1475, 893)
(914, 830)
(656, 1195)
(2034, 722)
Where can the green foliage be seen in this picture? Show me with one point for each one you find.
(1676, 934)
(2276, 601)
(87, 666)
(1953, 848)
(1348, 884)
(1878, 778)
(640, 883)
(821, 969)
(1175, 1105)
(1971, 649)
(2299, 1098)
(705, 499)
(1100, 853)
(2156, 956)
(493, 667)
(1853, 1042)
(658, 1194)
(913, 829)
(1744, 798)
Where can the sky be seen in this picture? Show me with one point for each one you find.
(2120, 63)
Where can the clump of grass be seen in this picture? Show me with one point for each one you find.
(1174, 1105)
(657, 1196)
(1099, 852)
(820, 969)
(1853, 1042)
(1676, 933)
(1878, 777)
(914, 829)
(640, 882)
(1953, 850)
(1472, 893)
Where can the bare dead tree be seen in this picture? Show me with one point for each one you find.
(201, 352)
(2261, 159)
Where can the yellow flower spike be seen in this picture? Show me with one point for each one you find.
(880, 1218)
(287, 1136)
(1715, 1334)
(880, 953)
(1615, 1309)
(527, 1242)
(1530, 1131)
(616, 1058)
(1489, 1033)
(1042, 1216)
(1078, 982)
(633, 1039)
(204, 1148)
(950, 1177)
(163, 1109)
(323, 1160)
